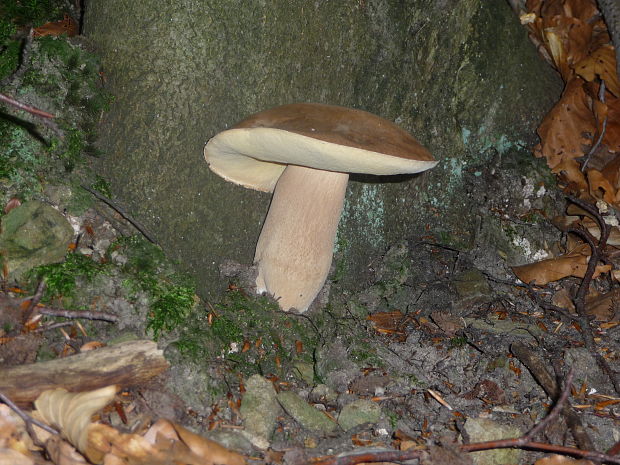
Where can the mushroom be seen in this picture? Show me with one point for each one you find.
(303, 153)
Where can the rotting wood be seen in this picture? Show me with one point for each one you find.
(127, 364)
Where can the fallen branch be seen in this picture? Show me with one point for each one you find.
(128, 364)
(120, 211)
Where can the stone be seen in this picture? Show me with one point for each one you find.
(587, 370)
(305, 414)
(33, 234)
(259, 410)
(359, 412)
(486, 429)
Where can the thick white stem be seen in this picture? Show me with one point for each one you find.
(295, 247)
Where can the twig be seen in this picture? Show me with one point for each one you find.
(596, 255)
(535, 365)
(367, 457)
(24, 416)
(555, 411)
(34, 300)
(60, 324)
(86, 314)
(595, 146)
(22, 106)
(120, 211)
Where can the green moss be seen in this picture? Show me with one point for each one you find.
(458, 341)
(9, 49)
(251, 334)
(61, 278)
(20, 161)
(172, 295)
(30, 12)
(102, 186)
(171, 305)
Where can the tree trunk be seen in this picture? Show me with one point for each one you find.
(461, 76)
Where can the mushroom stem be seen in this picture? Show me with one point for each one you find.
(295, 247)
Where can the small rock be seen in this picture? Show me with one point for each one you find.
(233, 440)
(259, 409)
(334, 366)
(587, 370)
(306, 415)
(304, 371)
(485, 429)
(359, 412)
(495, 325)
(34, 234)
(472, 288)
(323, 394)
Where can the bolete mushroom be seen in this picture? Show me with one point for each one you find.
(303, 153)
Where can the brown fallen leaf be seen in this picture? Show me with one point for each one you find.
(12, 457)
(554, 269)
(72, 412)
(55, 28)
(604, 307)
(602, 64)
(63, 453)
(567, 128)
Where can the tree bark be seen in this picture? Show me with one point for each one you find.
(460, 75)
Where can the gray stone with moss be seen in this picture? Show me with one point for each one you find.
(305, 414)
(33, 234)
(359, 412)
(460, 75)
(259, 410)
(485, 429)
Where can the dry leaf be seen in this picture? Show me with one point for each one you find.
(567, 128)
(72, 412)
(63, 453)
(56, 28)
(13, 434)
(563, 299)
(554, 269)
(11, 204)
(602, 64)
(204, 447)
(12, 457)
(603, 307)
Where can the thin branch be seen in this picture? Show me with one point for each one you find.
(22, 106)
(24, 416)
(34, 300)
(595, 146)
(86, 314)
(555, 411)
(597, 254)
(120, 211)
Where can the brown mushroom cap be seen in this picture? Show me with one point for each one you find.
(255, 152)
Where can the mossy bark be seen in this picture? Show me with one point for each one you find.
(460, 75)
